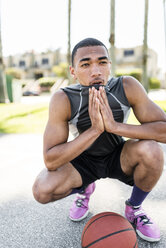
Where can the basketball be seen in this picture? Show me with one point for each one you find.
(108, 230)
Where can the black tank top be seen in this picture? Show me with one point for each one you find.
(80, 121)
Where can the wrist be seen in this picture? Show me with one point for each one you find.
(95, 131)
(113, 127)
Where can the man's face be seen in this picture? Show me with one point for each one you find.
(91, 66)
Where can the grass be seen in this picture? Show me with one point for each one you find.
(132, 119)
(22, 118)
(27, 118)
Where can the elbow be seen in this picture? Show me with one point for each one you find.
(50, 164)
(163, 139)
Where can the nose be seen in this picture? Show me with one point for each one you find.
(95, 71)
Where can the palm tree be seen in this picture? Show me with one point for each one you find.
(112, 37)
(69, 41)
(145, 48)
(164, 8)
(3, 95)
(69, 32)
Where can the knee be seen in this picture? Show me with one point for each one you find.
(151, 153)
(41, 193)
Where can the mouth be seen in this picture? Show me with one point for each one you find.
(97, 82)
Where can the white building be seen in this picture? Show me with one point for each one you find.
(129, 59)
(37, 65)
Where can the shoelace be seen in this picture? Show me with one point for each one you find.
(145, 219)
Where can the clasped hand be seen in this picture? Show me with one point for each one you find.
(99, 111)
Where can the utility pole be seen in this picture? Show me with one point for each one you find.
(112, 36)
(3, 91)
(145, 48)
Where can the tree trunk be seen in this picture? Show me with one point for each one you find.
(112, 37)
(164, 8)
(69, 42)
(69, 33)
(3, 91)
(145, 49)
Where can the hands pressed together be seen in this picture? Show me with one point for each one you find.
(100, 112)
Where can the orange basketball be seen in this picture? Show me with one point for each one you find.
(108, 230)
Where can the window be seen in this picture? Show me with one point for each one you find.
(21, 63)
(36, 64)
(45, 61)
(128, 53)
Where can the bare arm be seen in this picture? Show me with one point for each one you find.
(151, 116)
(57, 151)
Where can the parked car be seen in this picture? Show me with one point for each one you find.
(30, 93)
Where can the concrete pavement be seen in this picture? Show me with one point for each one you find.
(24, 223)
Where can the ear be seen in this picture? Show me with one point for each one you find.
(72, 72)
(110, 66)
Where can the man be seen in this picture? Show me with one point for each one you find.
(97, 110)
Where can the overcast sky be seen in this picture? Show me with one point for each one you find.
(42, 24)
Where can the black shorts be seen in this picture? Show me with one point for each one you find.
(92, 168)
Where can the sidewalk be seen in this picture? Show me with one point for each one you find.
(159, 95)
(153, 95)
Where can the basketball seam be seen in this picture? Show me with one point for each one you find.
(135, 244)
(98, 219)
(108, 235)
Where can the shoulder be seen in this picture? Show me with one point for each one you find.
(60, 105)
(133, 89)
(59, 96)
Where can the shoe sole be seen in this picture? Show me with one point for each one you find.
(146, 237)
(83, 217)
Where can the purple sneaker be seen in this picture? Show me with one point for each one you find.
(145, 227)
(79, 209)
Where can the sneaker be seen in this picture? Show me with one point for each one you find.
(145, 227)
(79, 209)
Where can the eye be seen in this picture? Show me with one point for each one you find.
(103, 62)
(85, 65)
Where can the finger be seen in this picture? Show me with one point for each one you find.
(97, 104)
(90, 98)
(96, 101)
(94, 95)
(100, 98)
(103, 95)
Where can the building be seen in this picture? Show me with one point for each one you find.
(128, 59)
(35, 65)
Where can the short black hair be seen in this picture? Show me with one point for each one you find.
(86, 43)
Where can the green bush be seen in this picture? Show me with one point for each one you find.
(61, 70)
(154, 83)
(15, 73)
(47, 81)
(135, 73)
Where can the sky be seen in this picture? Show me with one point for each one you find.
(40, 25)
